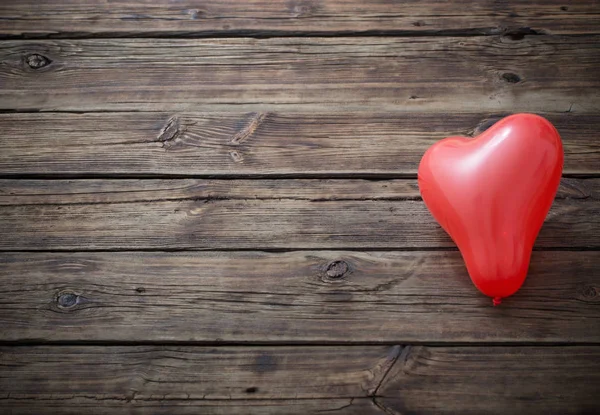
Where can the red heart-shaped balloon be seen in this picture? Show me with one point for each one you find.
(492, 193)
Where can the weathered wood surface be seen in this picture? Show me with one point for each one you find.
(320, 296)
(424, 380)
(422, 74)
(230, 145)
(30, 18)
(493, 380)
(173, 372)
(81, 191)
(101, 406)
(249, 223)
(252, 144)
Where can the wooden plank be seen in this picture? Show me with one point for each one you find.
(309, 296)
(493, 380)
(76, 406)
(283, 143)
(427, 380)
(43, 192)
(31, 18)
(63, 192)
(261, 224)
(422, 74)
(147, 373)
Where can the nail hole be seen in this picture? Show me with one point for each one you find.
(140, 290)
(511, 78)
(564, 8)
(253, 389)
(36, 61)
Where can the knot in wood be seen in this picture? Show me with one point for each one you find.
(511, 78)
(67, 300)
(194, 13)
(170, 132)
(37, 61)
(303, 8)
(589, 292)
(336, 269)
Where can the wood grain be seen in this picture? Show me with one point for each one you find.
(427, 380)
(209, 224)
(309, 296)
(496, 380)
(249, 142)
(169, 372)
(63, 192)
(31, 18)
(421, 74)
(284, 144)
(102, 406)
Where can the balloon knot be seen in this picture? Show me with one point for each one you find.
(497, 301)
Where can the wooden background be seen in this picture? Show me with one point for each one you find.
(210, 207)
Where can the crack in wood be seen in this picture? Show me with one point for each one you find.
(401, 358)
(338, 409)
(385, 367)
(384, 409)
